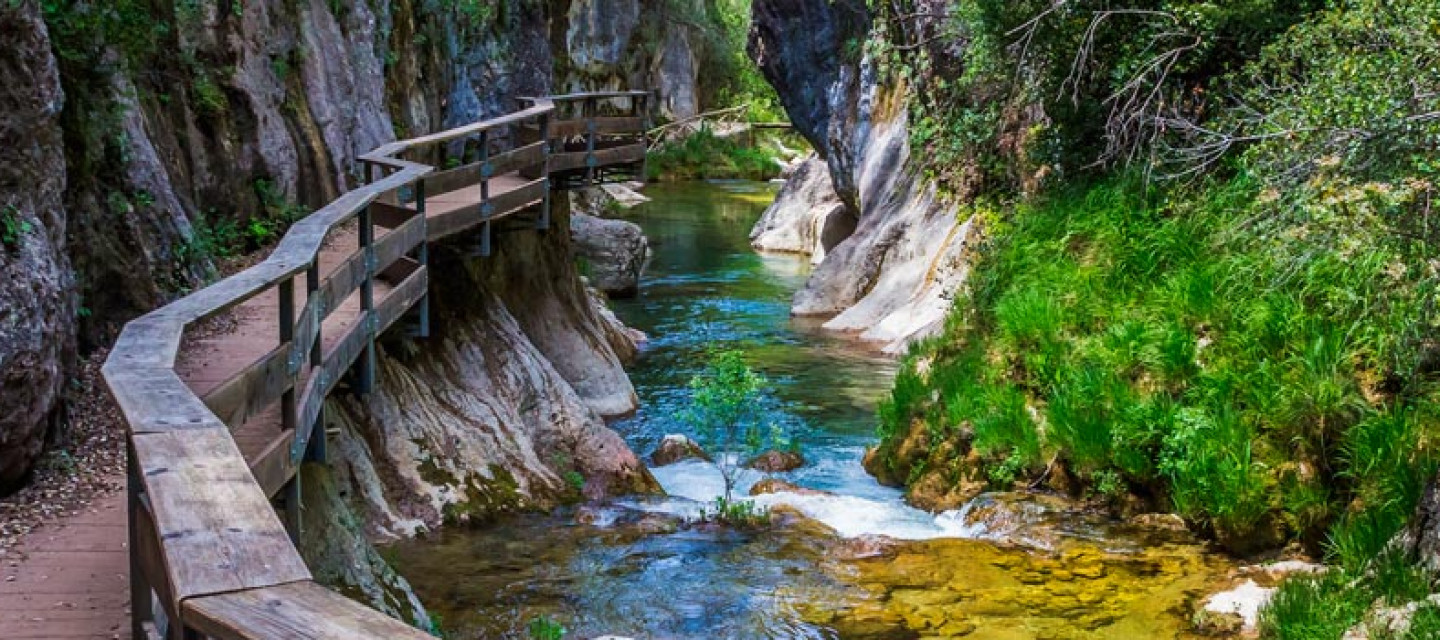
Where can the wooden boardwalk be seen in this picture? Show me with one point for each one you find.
(70, 578)
(220, 419)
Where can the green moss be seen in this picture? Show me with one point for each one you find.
(486, 498)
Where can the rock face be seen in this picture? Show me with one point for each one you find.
(181, 140)
(807, 216)
(614, 251)
(1421, 538)
(339, 553)
(37, 307)
(893, 278)
(803, 46)
(501, 409)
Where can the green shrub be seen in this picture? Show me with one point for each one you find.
(705, 156)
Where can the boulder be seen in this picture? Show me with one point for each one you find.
(674, 448)
(37, 301)
(776, 485)
(614, 250)
(807, 216)
(776, 461)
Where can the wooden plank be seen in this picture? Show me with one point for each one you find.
(518, 158)
(567, 161)
(390, 216)
(273, 467)
(343, 280)
(619, 155)
(253, 389)
(218, 530)
(398, 242)
(149, 554)
(447, 135)
(515, 200)
(402, 297)
(301, 610)
(157, 401)
(149, 341)
(604, 95)
(470, 174)
(603, 126)
(324, 378)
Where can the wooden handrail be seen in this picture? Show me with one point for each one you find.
(204, 536)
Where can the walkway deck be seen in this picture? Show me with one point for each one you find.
(73, 581)
(208, 549)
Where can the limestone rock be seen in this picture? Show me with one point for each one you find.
(1244, 601)
(674, 448)
(776, 485)
(599, 32)
(807, 216)
(776, 461)
(37, 304)
(893, 279)
(799, 46)
(614, 250)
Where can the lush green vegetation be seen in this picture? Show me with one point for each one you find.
(728, 78)
(729, 413)
(1211, 279)
(706, 156)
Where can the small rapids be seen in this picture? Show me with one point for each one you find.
(847, 557)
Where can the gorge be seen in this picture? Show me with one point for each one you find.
(1073, 322)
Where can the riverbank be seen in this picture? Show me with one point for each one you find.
(826, 567)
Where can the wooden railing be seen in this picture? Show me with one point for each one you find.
(210, 554)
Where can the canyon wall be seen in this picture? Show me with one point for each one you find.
(890, 263)
(146, 143)
(37, 343)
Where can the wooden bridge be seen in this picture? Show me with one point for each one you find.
(220, 425)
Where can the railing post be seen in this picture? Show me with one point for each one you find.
(589, 116)
(141, 596)
(422, 255)
(315, 450)
(642, 105)
(544, 222)
(288, 413)
(367, 301)
(485, 210)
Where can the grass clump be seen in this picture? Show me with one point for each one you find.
(1150, 341)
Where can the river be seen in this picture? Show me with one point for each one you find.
(860, 563)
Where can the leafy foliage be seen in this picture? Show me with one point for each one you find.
(12, 227)
(705, 156)
(729, 415)
(1182, 341)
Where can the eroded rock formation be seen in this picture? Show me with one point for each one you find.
(807, 216)
(892, 278)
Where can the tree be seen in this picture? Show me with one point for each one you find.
(728, 413)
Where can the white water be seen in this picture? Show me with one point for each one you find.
(693, 485)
